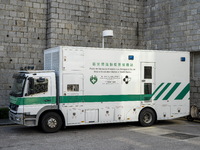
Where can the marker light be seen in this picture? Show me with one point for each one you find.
(18, 119)
(183, 59)
(130, 57)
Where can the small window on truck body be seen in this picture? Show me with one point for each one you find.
(147, 88)
(147, 72)
(73, 87)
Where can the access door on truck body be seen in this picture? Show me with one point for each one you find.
(73, 97)
(73, 86)
(147, 78)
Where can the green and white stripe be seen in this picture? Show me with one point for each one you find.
(180, 96)
(32, 100)
(156, 95)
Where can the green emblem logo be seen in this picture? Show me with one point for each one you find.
(93, 79)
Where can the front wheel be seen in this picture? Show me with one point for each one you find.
(147, 117)
(51, 122)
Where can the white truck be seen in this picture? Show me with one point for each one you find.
(82, 86)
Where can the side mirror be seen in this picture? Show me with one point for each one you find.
(41, 80)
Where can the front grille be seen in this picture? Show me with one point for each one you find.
(13, 107)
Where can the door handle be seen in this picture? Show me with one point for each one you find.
(143, 80)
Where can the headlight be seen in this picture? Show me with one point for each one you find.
(18, 119)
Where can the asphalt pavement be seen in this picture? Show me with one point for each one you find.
(176, 134)
(4, 122)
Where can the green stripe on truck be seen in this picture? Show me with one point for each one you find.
(78, 99)
(182, 94)
(32, 100)
(158, 88)
(162, 91)
(171, 91)
(104, 98)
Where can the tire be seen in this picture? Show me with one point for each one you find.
(189, 118)
(147, 117)
(51, 122)
(194, 111)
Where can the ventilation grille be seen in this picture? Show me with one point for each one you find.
(55, 61)
(52, 61)
(47, 61)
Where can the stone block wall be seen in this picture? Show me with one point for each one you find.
(195, 79)
(81, 22)
(175, 25)
(172, 24)
(27, 27)
(22, 39)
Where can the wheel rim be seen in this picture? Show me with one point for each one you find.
(147, 118)
(52, 123)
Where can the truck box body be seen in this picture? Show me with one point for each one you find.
(96, 85)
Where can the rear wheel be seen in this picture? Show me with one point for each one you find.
(147, 117)
(51, 122)
(189, 118)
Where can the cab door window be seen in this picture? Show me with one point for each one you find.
(147, 88)
(37, 86)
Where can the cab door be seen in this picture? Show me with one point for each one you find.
(147, 79)
(40, 90)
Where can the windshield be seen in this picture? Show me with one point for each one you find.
(17, 88)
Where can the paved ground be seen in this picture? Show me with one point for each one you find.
(166, 135)
(5, 122)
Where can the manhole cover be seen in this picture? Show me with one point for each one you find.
(180, 136)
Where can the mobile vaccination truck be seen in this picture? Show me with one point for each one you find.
(82, 86)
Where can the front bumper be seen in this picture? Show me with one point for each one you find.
(16, 118)
(22, 119)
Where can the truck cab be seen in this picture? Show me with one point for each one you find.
(33, 93)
